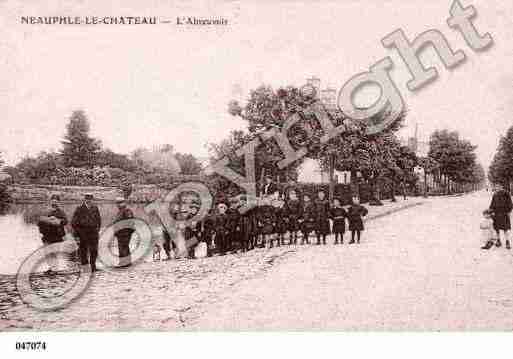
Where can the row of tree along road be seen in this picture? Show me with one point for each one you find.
(378, 163)
(501, 168)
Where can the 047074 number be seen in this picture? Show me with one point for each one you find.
(30, 345)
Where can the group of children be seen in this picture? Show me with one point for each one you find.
(229, 229)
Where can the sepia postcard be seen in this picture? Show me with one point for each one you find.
(262, 166)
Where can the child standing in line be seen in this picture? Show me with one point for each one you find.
(280, 226)
(221, 228)
(338, 215)
(266, 221)
(209, 230)
(233, 225)
(487, 232)
(322, 212)
(294, 211)
(355, 213)
(308, 219)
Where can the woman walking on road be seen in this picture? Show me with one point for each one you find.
(501, 207)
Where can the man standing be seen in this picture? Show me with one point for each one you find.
(124, 235)
(86, 224)
(51, 226)
(269, 188)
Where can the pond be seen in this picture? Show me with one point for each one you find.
(19, 234)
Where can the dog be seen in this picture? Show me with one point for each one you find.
(156, 252)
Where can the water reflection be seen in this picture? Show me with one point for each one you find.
(19, 235)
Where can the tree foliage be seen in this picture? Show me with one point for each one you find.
(157, 159)
(456, 157)
(501, 168)
(267, 109)
(109, 158)
(79, 149)
(189, 165)
(83, 161)
(375, 156)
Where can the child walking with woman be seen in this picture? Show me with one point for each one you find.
(487, 231)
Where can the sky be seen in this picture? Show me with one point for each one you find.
(145, 85)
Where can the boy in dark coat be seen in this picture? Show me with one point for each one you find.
(86, 224)
(222, 228)
(308, 219)
(208, 231)
(294, 212)
(322, 212)
(355, 213)
(245, 226)
(193, 231)
(280, 226)
(338, 215)
(233, 225)
(266, 223)
(193, 228)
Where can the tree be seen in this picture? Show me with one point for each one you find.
(109, 158)
(478, 174)
(267, 109)
(353, 150)
(79, 148)
(189, 165)
(430, 167)
(41, 166)
(376, 157)
(157, 159)
(501, 168)
(456, 157)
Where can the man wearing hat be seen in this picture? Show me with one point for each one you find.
(86, 224)
(51, 226)
(269, 188)
(125, 234)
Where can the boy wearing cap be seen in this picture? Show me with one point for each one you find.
(86, 224)
(208, 231)
(294, 212)
(308, 220)
(246, 225)
(221, 228)
(322, 212)
(266, 223)
(233, 225)
(355, 214)
(338, 215)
